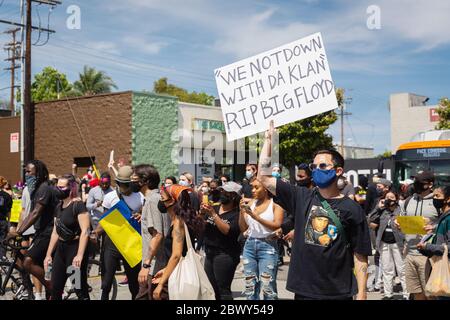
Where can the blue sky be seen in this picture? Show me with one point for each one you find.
(138, 41)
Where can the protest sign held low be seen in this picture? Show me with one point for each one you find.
(286, 84)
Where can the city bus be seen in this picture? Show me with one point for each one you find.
(428, 151)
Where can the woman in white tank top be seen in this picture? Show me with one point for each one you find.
(259, 219)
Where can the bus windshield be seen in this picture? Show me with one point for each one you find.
(408, 169)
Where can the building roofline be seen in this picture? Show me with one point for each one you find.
(199, 105)
(86, 97)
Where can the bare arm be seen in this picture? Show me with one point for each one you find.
(242, 215)
(84, 221)
(177, 250)
(154, 245)
(361, 266)
(221, 225)
(276, 223)
(265, 162)
(31, 218)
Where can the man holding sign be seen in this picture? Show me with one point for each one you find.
(331, 240)
(286, 84)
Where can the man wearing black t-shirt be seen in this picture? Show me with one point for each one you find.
(43, 204)
(331, 241)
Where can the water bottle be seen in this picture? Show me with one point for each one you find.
(48, 273)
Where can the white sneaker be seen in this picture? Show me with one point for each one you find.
(39, 296)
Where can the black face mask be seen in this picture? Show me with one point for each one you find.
(380, 192)
(161, 207)
(304, 182)
(62, 194)
(135, 187)
(438, 204)
(225, 199)
(215, 195)
(419, 187)
(388, 203)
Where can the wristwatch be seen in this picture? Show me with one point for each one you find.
(146, 266)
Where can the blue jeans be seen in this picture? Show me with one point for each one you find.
(260, 268)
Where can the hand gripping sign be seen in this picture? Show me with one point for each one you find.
(286, 84)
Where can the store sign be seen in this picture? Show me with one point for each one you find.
(14, 142)
(204, 124)
(434, 116)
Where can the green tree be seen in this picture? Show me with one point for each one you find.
(162, 86)
(49, 84)
(385, 154)
(299, 140)
(444, 114)
(93, 82)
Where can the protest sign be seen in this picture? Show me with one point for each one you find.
(286, 84)
(412, 225)
(15, 211)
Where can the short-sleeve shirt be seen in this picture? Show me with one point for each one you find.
(321, 262)
(26, 206)
(153, 218)
(69, 215)
(215, 240)
(134, 200)
(44, 195)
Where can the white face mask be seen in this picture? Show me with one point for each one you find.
(205, 189)
(184, 183)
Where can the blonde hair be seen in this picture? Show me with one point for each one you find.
(3, 181)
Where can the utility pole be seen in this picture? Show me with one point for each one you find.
(13, 50)
(27, 113)
(343, 113)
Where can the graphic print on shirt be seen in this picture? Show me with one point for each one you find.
(320, 229)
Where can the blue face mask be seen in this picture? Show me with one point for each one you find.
(31, 183)
(276, 174)
(249, 174)
(323, 178)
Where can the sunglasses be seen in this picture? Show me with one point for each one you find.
(321, 166)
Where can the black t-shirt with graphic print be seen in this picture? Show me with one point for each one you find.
(321, 262)
(214, 239)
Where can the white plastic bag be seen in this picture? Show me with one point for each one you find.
(188, 280)
(439, 282)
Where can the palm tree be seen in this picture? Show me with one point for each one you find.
(93, 82)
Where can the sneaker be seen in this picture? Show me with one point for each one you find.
(124, 282)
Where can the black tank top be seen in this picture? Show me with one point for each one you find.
(169, 240)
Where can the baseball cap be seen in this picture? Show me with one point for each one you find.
(424, 176)
(231, 186)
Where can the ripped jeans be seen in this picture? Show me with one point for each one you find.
(260, 268)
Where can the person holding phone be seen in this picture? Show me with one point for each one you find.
(221, 239)
(260, 218)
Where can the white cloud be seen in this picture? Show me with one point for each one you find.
(145, 45)
(109, 47)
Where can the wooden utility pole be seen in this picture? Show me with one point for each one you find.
(27, 113)
(343, 113)
(13, 50)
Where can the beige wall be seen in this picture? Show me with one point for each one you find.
(407, 120)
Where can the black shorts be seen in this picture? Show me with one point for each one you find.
(38, 249)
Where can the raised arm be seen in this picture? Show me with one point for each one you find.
(265, 162)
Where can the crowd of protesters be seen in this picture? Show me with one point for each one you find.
(329, 226)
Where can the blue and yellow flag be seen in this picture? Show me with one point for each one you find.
(124, 231)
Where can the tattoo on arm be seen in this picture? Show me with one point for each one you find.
(363, 269)
(179, 236)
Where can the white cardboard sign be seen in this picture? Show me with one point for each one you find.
(286, 84)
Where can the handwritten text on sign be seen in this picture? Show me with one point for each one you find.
(286, 84)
